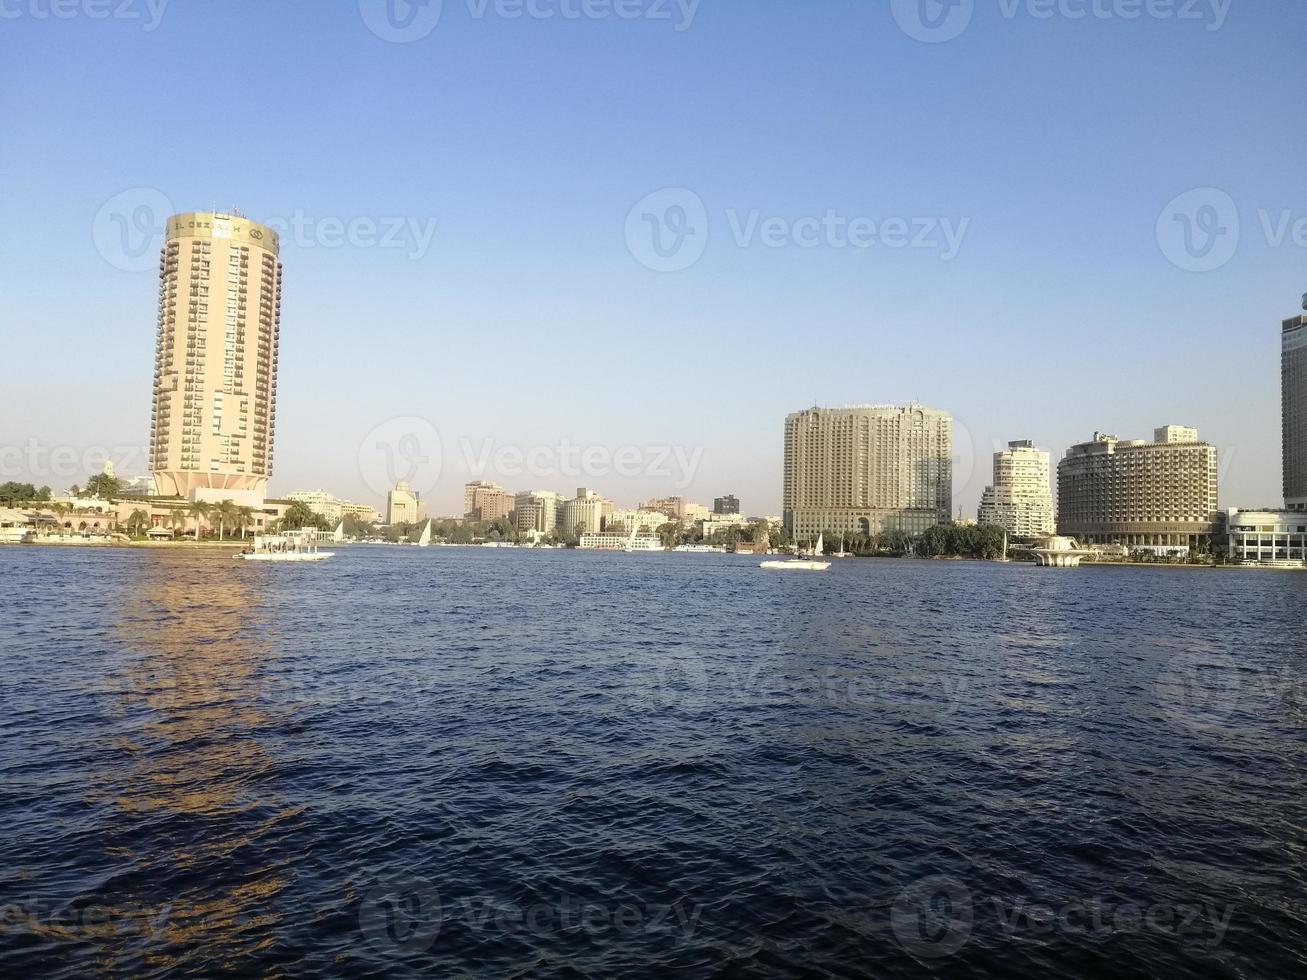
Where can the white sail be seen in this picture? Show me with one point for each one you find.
(338, 536)
(820, 548)
(425, 540)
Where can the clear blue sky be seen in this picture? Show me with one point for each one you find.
(529, 320)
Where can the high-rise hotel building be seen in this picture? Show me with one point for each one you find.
(1021, 498)
(867, 469)
(1293, 409)
(1133, 492)
(215, 366)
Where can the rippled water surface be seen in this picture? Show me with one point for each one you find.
(474, 762)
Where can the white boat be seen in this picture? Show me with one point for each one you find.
(288, 546)
(425, 540)
(801, 563)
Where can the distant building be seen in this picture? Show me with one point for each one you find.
(403, 505)
(867, 469)
(586, 512)
(677, 509)
(1267, 536)
(644, 520)
(730, 504)
(1132, 492)
(537, 510)
(1021, 497)
(215, 362)
(722, 523)
(1293, 409)
(485, 501)
(318, 501)
(360, 512)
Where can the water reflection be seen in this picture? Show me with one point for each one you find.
(198, 818)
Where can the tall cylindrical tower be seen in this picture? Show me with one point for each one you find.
(215, 366)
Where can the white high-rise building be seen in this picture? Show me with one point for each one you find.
(867, 469)
(1021, 497)
(215, 364)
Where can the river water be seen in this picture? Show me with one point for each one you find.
(477, 762)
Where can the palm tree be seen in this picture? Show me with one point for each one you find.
(177, 520)
(137, 521)
(244, 519)
(224, 512)
(199, 511)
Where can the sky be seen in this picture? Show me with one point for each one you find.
(613, 243)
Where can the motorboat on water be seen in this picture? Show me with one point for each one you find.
(802, 563)
(287, 546)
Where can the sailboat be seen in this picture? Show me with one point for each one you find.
(802, 564)
(338, 536)
(425, 540)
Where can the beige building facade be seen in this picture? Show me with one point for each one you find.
(867, 469)
(215, 369)
(403, 505)
(1138, 493)
(486, 501)
(1020, 500)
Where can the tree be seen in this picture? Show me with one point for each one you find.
(298, 515)
(244, 519)
(103, 487)
(177, 520)
(11, 493)
(199, 511)
(138, 522)
(670, 534)
(224, 513)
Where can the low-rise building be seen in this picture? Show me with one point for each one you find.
(318, 501)
(642, 520)
(1267, 537)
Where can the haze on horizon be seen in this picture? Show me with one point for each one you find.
(491, 224)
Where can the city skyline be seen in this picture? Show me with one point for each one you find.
(516, 283)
